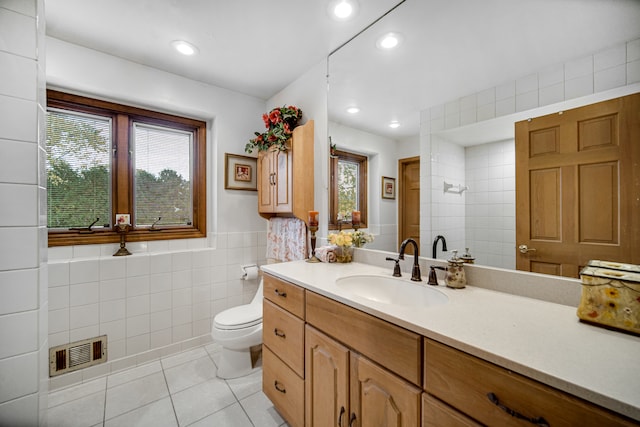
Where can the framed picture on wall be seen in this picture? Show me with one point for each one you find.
(240, 172)
(388, 188)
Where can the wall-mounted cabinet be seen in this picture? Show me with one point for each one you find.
(285, 178)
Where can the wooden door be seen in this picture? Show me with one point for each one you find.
(379, 398)
(409, 201)
(327, 381)
(265, 182)
(578, 187)
(283, 181)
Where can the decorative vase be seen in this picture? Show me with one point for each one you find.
(344, 253)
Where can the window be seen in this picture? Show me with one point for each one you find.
(348, 190)
(105, 159)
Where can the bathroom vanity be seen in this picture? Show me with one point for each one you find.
(338, 356)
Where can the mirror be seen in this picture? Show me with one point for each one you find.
(462, 74)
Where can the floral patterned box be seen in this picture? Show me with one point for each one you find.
(611, 295)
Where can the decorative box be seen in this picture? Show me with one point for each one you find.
(611, 295)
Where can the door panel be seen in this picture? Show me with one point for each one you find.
(409, 198)
(578, 187)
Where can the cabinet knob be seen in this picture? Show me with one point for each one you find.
(280, 294)
(279, 387)
(539, 421)
(279, 333)
(342, 411)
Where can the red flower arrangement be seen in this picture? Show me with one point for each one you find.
(280, 123)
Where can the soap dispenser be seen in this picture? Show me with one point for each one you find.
(455, 277)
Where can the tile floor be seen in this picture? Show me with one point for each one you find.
(178, 390)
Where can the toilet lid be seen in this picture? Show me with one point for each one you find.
(243, 316)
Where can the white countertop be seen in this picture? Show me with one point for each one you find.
(541, 340)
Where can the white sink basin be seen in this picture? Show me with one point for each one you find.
(392, 290)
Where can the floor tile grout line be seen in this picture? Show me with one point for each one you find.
(173, 407)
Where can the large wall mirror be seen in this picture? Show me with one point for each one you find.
(462, 74)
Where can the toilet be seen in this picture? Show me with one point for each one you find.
(237, 330)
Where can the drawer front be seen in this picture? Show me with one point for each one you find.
(465, 382)
(283, 333)
(285, 294)
(283, 387)
(438, 414)
(395, 348)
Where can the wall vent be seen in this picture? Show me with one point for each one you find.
(77, 355)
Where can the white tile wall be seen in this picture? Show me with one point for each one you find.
(23, 281)
(149, 301)
(489, 216)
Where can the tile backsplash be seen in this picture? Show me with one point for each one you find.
(160, 299)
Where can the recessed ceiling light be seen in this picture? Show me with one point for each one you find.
(353, 110)
(341, 10)
(394, 125)
(184, 47)
(389, 41)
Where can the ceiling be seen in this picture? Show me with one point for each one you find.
(256, 47)
(450, 49)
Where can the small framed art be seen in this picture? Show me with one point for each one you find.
(240, 172)
(388, 188)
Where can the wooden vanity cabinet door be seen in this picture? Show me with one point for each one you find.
(284, 294)
(283, 333)
(464, 382)
(379, 398)
(283, 387)
(326, 381)
(438, 414)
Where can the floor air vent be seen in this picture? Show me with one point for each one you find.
(77, 355)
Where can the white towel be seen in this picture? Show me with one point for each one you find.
(286, 239)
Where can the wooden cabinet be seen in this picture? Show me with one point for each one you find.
(339, 364)
(285, 178)
(327, 380)
(283, 348)
(344, 388)
(493, 395)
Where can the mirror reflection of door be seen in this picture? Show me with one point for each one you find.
(578, 187)
(409, 201)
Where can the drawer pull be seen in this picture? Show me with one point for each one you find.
(352, 420)
(278, 387)
(279, 333)
(539, 421)
(340, 416)
(280, 294)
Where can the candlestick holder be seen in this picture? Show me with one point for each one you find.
(313, 257)
(355, 227)
(122, 229)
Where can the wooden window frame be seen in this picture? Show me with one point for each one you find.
(363, 161)
(123, 117)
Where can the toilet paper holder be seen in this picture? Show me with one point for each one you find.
(250, 271)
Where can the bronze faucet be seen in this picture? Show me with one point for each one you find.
(415, 272)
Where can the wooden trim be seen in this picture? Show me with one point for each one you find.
(363, 181)
(123, 117)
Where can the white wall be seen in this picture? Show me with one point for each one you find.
(603, 75)
(23, 253)
(163, 297)
(490, 208)
(383, 161)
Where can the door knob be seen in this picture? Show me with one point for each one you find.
(524, 249)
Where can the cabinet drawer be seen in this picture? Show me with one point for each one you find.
(438, 414)
(285, 294)
(283, 387)
(283, 333)
(395, 348)
(464, 382)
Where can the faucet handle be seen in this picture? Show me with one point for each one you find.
(396, 268)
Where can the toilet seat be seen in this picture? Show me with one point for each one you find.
(240, 317)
